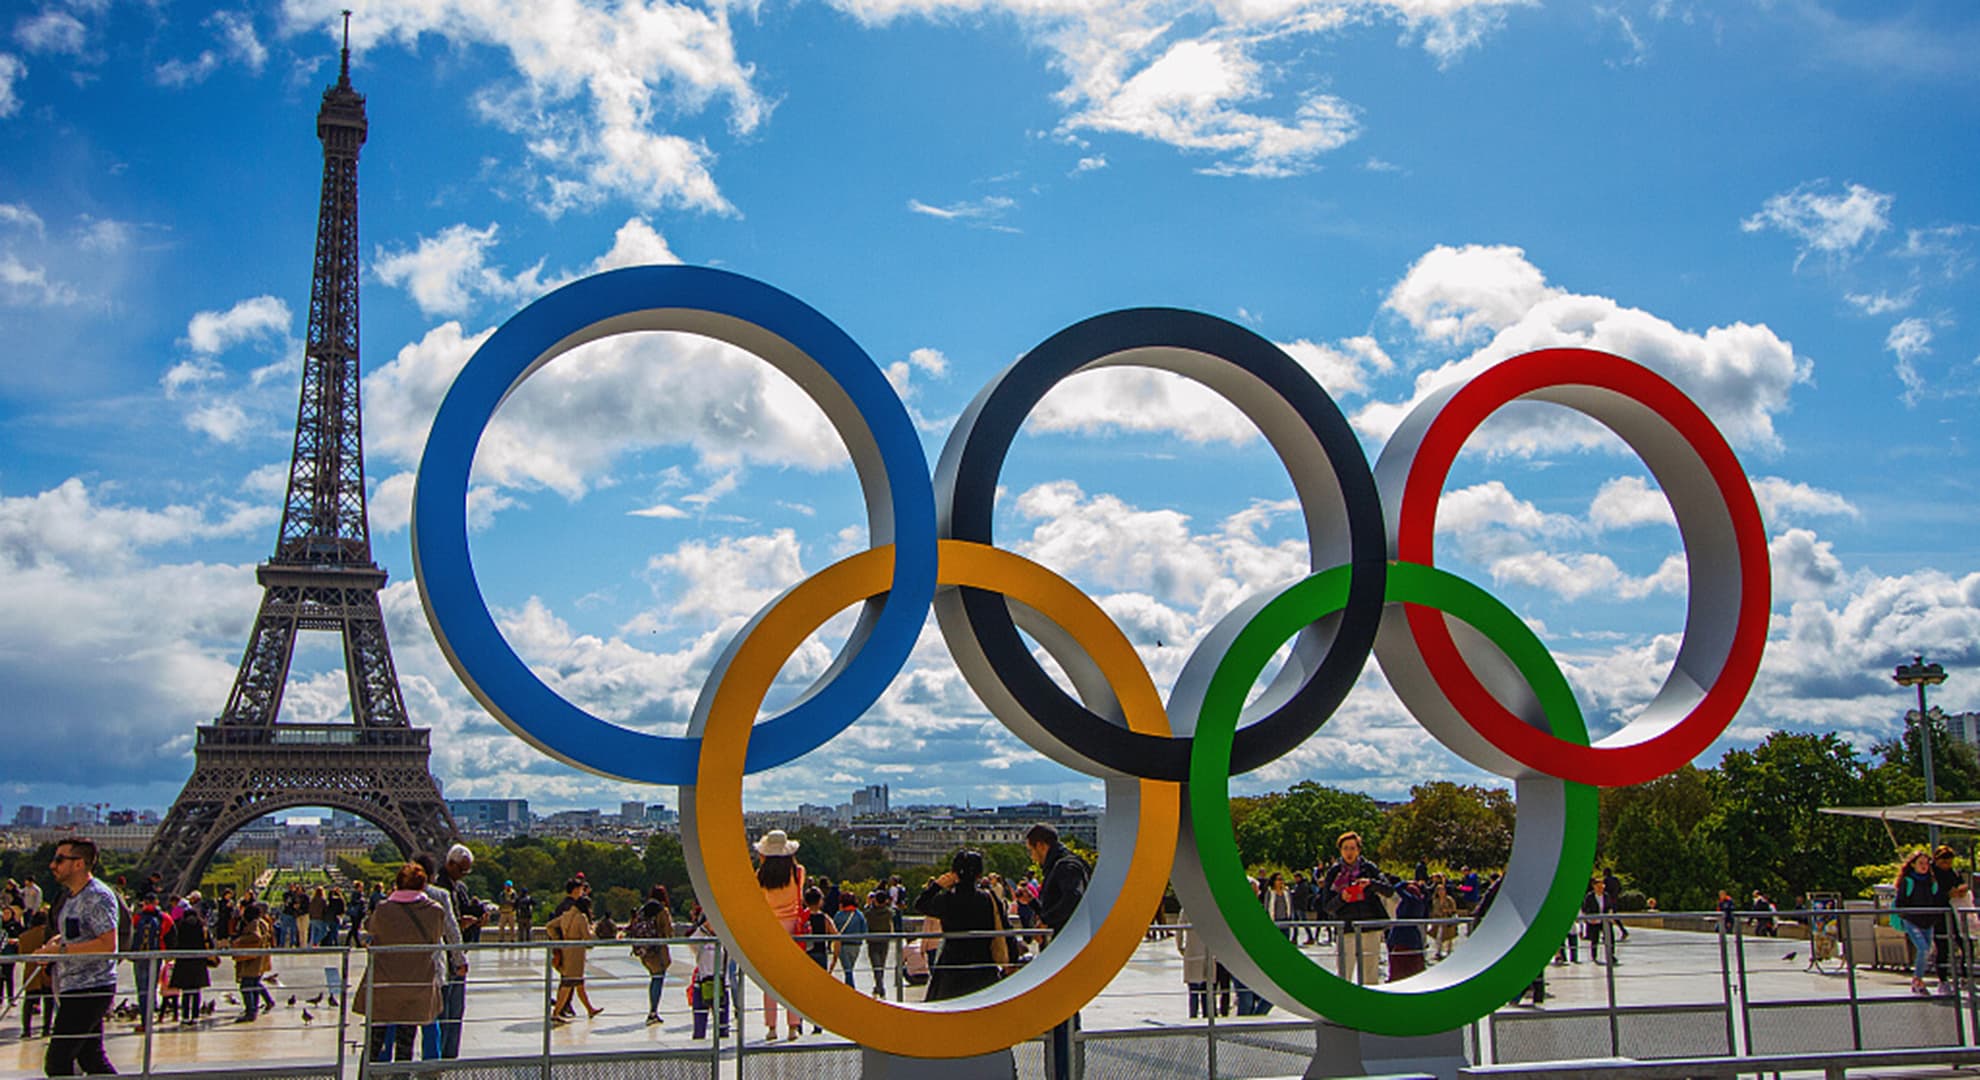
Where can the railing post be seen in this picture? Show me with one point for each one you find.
(343, 1007)
(716, 1008)
(549, 1006)
(1849, 967)
(1745, 987)
(1955, 970)
(146, 1008)
(1606, 930)
(1209, 1010)
(1725, 977)
(370, 1010)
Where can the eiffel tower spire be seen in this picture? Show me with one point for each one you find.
(321, 577)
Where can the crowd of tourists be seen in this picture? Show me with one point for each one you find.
(959, 932)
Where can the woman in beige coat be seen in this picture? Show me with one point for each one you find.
(573, 925)
(401, 990)
(1442, 906)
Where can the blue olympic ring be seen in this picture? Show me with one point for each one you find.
(781, 329)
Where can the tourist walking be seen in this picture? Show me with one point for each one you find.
(573, 926)
(781, 878)
(467, 915)
(255, 933)
(964, 964)
(190, 974)
(849, 926)
(1405, 938)
(85, 975)
(1443, 907)
(708, 986)
(1200, 970)
(1062, 876)
(1943, 941)
(654, 921)
(35, 993)
(1597, 902)
(147, 936)
(1921, 912)
(400, 991)
(1278, 901)
(879, 920)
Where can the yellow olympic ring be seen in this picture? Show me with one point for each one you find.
(1042, 994)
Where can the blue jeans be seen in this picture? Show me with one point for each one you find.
(285, 931)
(1921, 946)
(388, 1040)
(442, 1038)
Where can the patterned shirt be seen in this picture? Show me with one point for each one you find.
(87, 916)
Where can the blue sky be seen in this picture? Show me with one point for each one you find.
(1772, 204)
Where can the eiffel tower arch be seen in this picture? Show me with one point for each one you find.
(249, 763)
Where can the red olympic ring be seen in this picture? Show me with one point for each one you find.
(1588, 380)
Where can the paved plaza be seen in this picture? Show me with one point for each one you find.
(507, 995)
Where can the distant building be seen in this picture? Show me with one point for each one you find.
(575, 819)
(1963, 726)
(29, 816)
(632, 813)
(870, 801)
(301, 845)
(499, 817)
(75, 814)
(659, 816)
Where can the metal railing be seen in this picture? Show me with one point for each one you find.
(1668, 985)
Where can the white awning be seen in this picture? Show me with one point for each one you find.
(1946, 815)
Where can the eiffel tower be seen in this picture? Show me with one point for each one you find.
(322, 577)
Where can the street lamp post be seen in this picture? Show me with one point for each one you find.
(1920, 674)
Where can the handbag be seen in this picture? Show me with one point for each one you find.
(1000, 946)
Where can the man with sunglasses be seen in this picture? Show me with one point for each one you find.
(82, 944)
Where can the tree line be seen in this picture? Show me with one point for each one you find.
(1752, 822)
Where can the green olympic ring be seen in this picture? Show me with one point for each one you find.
(1508, 946)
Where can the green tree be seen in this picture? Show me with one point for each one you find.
(1454, 824)
(1010, 860)
(822, 852)
(1653, 835)
(1766, 816)
(666, 865)
(1297, 827)
(1955, 766)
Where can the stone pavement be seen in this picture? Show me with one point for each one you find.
(507, 993)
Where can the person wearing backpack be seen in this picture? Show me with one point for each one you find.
(653, 922)
(850, 924)
(147, 935)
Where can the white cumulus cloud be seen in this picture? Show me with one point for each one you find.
(1831, 223)
(1741, 374)
(594, 83)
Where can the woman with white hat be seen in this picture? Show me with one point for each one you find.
(782, 879)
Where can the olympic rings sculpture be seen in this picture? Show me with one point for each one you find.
(1469, 669)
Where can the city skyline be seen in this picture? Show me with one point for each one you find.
(1398, 192)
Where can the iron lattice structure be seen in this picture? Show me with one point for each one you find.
(322, 577)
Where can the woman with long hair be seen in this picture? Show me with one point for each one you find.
(964, 964)
(574, 926)
(654, 921)
(781, 878)
(190, 976)
(1921, 903)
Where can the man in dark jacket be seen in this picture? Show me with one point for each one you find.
(1062, 874)
(1351, 890)
(1062, 879)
